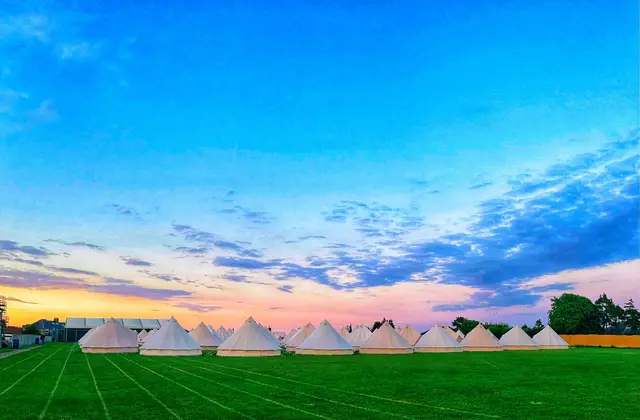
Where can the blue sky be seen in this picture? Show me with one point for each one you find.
(318, 150)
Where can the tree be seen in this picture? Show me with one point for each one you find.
(573, 314)
(611, 317)
(537, 327)
(465, 325)
(31, 329)
(497, 329)
(631, 316)
(378, 324)
(604, 317)
(531, 331)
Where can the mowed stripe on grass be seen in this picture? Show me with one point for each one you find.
(18, 359)
(357, 408)
(252, 402)
(196, 400)
(29, 392)
(579, 383)
(256, 396)
(53, 391)
(122, 397)
(17, 375)
(95, 385)
(74, 397)
(327, 387)
(170, 411)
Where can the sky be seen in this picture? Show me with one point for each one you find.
(344, 161)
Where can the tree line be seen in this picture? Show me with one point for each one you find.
(573, 314)
(497, 328)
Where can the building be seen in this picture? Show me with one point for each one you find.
(50, 328)
(12, 330)
(8, 333)
(3, 316)
(76, 328)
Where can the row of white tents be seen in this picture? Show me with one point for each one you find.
(252, 339)
(387, 340)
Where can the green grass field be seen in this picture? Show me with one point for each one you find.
(58, 381)
(9, 350)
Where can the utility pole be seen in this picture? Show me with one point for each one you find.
(3, 316)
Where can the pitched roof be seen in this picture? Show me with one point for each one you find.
(170, 337)
(301, 335)
(111, 335)
(13, 330)
(223, 332)
(210, 328)
(204, 337)
(45, 324)
(437, 337)
(289, 335)
(359, 336)
(410, 334)
(449, 331)
(517, 337)
(250, 337)
(325, 337)
(548, 337)
(86, 336)
(385, 337)
(480, 337)
(344, 332)
(149, 334)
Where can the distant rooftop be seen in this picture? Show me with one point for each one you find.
(136, 323)
(45, 324)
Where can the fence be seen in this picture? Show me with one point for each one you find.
(593, 340)
(26, 339)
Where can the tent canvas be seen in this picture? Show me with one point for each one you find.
(111, 337)
(437, 340)
(386, 340)
(517, 339)
(359, 336)
(460, 335)
(204, 337)
(479, 339)
(410, 334)
(170, 340)
(223, 332)
(299, 337)
(249, 341)
(210, 328)
(288, 336)
(452, 333)
(548, 339)
(149, 334)
(86, 336)
(269, 334)
(344, 332)
(141, 335)
(325, 340)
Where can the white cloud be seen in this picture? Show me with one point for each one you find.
(77, 50)
(46, 112)
(619, 281)
(29, 26)
(9, 99)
